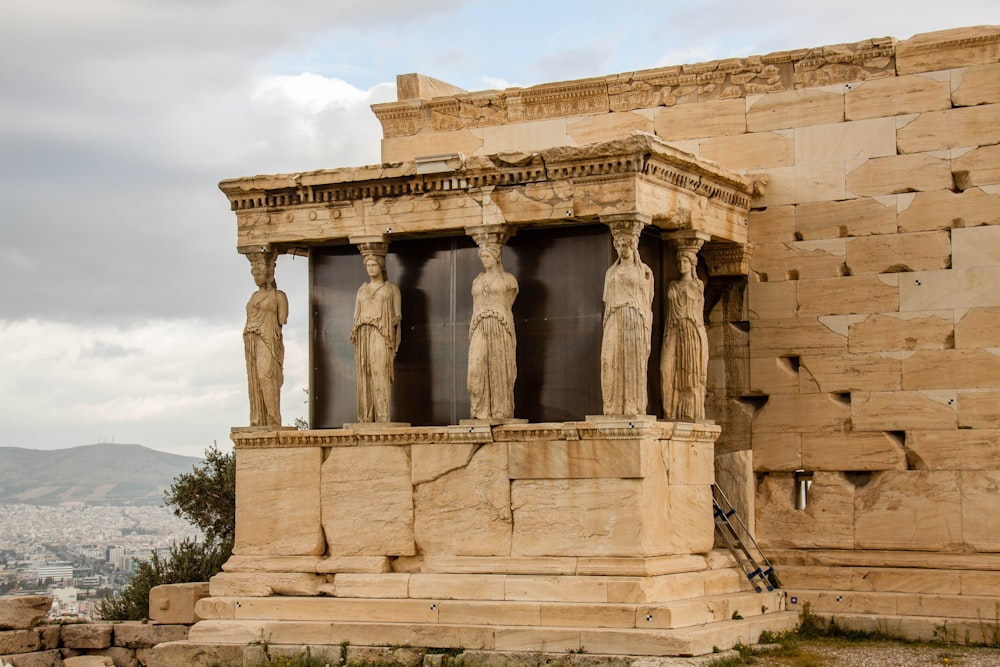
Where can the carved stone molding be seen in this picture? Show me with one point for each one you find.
(696, 432)
(730, 78)
(259, 249)
(728, 259)
(842, 63)
(489, 234)
(628, 224)
(529, 432)
(555, 186)
(375, 246)
(610, 429)
(686, 240)
(958, 47)
(361, 437)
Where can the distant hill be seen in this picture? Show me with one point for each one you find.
(107, 474)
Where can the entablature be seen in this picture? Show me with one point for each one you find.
(445, 194)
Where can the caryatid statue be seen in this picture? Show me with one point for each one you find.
(492, 341)
(375, 334)
(267, 312)
(684, 357)
(628, 321)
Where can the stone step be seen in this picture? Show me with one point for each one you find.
(526, 587)
(693, 640)
(922, 628)
(890, 579)
(669, 615)
(974, 607)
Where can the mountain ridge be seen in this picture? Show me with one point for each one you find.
(104, 473)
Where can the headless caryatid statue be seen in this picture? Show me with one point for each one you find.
(267, 312)
(684, 357)
(375, 335)
(628, 321)
(492, 342)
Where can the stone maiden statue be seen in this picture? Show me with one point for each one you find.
(684, 356)
(375, 334)
(628, 323)
(492, 342)
(267, 312)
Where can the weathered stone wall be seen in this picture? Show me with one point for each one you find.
(26, 642)
(864, 348)
(318, 502)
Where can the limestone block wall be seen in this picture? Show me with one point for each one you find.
(867, 291)
(25, 641)
(863, 350)
(367, 500)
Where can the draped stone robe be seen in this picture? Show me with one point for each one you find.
(492, 346)
(267, 311)
(376, 320)
(628, 322)
(684, 357)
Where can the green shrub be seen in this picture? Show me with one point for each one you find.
(206, 497)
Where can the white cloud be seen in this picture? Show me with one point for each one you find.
(686, 56)
(309, 121)
(308, 91)
(179, 385)
(496, 83)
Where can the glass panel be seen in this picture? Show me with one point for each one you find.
(558, 317)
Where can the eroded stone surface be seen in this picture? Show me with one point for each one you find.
(87, 635)
(976, 85)
(979, 493)
(264, 584)
(171, 654)
(591, 517)
(19, 641)
(959, 47)
(909, 510)
(89, 661)
(367, 501)
(277, 508)
(886, 332)
(826, 522)
(944, 209)
(472, 502)
(561, 459)
(173, 604)
(898, 95)
(23, 611)
(143, 635)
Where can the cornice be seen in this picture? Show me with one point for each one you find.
(664, 86)
(641, 154)
(373, 436)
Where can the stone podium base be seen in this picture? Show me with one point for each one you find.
(686, 605)
(589, 536)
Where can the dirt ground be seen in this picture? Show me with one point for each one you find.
(869, 653)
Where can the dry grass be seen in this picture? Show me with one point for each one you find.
(792, 650)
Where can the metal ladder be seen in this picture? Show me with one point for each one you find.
(758, 569)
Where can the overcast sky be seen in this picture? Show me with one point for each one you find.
(121, 293)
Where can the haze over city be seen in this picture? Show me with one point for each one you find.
(123, 295)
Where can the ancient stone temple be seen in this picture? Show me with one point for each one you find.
(553, 317)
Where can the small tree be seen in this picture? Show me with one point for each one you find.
(206, 497)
